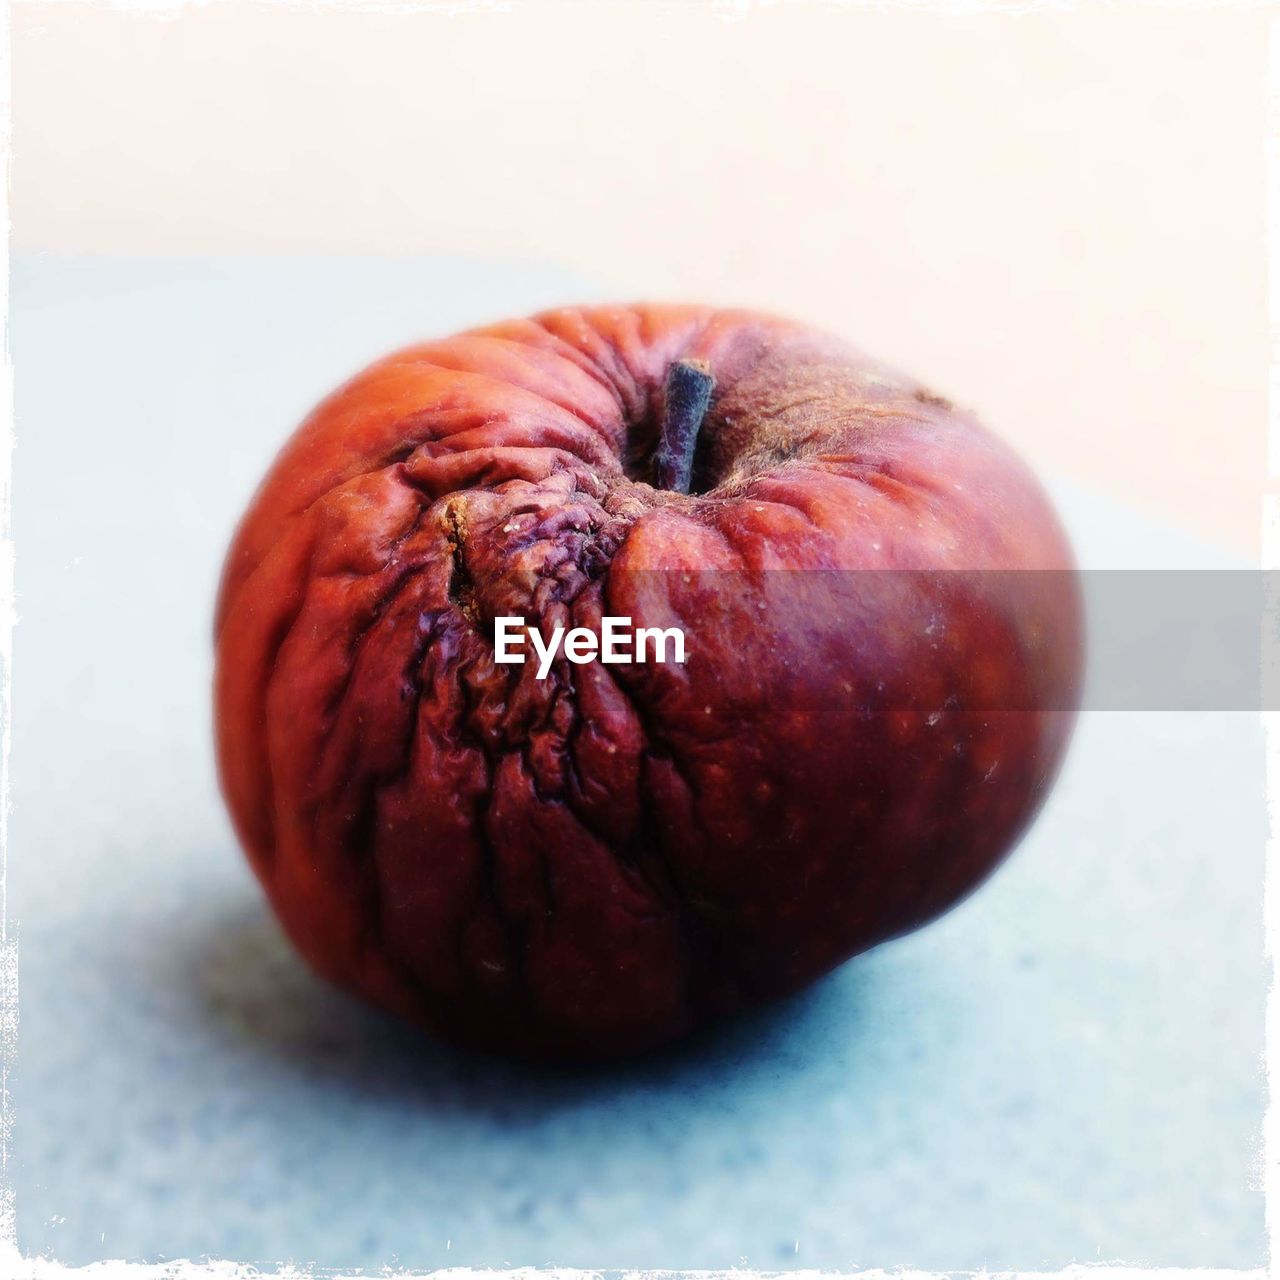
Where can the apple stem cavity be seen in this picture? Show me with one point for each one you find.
(686, 399)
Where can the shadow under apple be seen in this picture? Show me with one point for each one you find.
(259, 991)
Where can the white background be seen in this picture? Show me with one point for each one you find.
(1055, 217)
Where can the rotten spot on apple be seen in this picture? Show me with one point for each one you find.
(579, 856)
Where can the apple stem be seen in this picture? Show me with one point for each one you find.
(687, 397)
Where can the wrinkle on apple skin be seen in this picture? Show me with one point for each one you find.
(595, 864)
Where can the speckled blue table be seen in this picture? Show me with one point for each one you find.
(1065, 1068)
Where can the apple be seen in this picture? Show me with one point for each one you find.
(883, 657)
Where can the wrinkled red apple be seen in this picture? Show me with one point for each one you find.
(599, 862)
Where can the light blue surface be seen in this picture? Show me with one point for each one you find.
(1068, 1067)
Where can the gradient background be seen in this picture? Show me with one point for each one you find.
(220, 211)
(1059, 216)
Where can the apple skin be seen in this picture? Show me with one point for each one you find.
(599, 863)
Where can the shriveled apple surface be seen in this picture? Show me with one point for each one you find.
(1064, 1068)
(592, 862)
